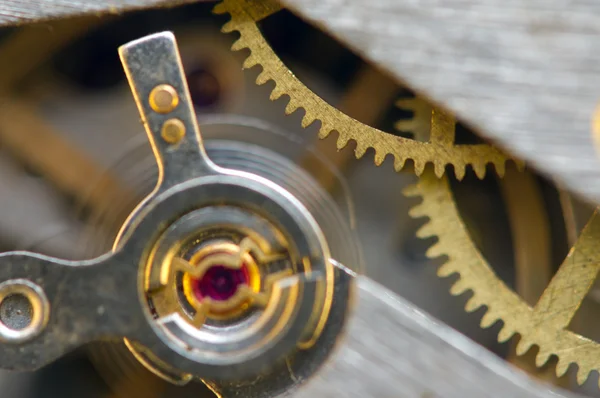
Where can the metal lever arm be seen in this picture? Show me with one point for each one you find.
(72, 303)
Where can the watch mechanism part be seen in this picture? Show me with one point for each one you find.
(218, 274)
(530, 228)
(24, 311)
(245, 16)
(429, 124)
(231, 142)
(226, 271)
(544, 324)
(163, 98)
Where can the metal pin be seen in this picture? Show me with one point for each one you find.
(163, 98)
(173, 131)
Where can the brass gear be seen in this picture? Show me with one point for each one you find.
(245, 14)
(532, 258)
(545, 324)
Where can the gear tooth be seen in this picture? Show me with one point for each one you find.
(360, 150)
(426, 231)
(412, 190)
(522, 346)
(276, 93)
(417, 211)
(324, 130)
(561, 367)
(291, 107)
(405, 125)
(250, 62)
(342, 141)
(459, 287)
(582, 375)
(459, 171)
(379, 157)
(505, 334)
(473, 304)
(220, 8)
(447, 269)
(488, 320)
(399, 162)
(228, 27)
(500, 168)
(439, 169)
(239, 44)
(407, 103)
(307, 120)
(479, 169)
(419, 166)
(542, 357)
(262, 78)
(435, 251)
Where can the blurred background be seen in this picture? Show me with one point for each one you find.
(74, 161)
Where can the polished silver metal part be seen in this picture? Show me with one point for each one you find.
(38, 306)
(392, 349)
(108, 297)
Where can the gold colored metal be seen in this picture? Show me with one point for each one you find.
(256, 293)
(525, 207)
(163, 98)
(173, 131)
(596, 128)
(229, 255)
(544, 324)
(226, 254)
(539, 314)
(366, 100)
(245, 15)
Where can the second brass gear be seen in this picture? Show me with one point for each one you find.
(245, 14)
(546, 324)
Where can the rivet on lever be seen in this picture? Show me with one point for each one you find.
(173, 131)
(163, 98)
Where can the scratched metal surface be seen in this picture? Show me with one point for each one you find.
(13, 12)
(526, 73)
(394, 350)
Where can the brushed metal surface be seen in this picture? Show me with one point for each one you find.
(16, 12)
(392, 349)
(525, 73)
